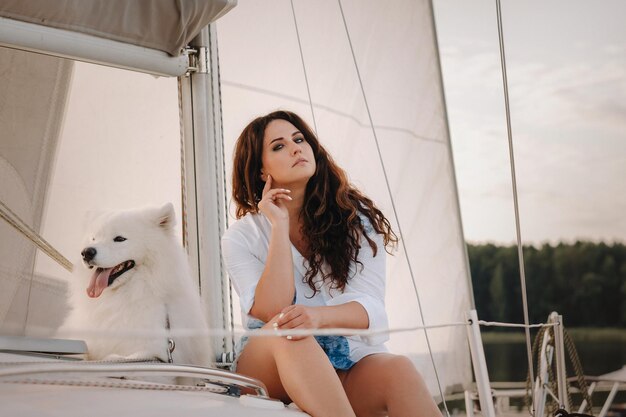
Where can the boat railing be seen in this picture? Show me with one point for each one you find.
(224, 381)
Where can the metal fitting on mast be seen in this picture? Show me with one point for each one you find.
(198, 60)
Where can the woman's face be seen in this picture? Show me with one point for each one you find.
(286, 156)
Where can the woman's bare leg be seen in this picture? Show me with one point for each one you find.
(297, 370)
(384, 384)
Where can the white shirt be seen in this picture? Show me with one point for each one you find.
(245, 247)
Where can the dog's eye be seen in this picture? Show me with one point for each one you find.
(119, 239)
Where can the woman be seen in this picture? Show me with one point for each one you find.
(308, 253)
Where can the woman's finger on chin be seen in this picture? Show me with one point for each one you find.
(268, 184)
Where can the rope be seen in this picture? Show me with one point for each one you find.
(578, 370)
(225, 193)
(551, 386)
(218, 147)
(515, 200)
(110, 383)
(22, 227)
(183, 181)
(529, 382)
(393, 205)
(526, 326)
(81, 362)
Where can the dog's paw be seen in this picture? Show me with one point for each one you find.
(135, 357)
(144, 355)
(114, 358)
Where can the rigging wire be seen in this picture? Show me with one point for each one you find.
(520, 251)
(393, 205)
(21, 226)
(306, 78)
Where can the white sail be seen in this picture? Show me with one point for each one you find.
(30, 120)
(395, 48)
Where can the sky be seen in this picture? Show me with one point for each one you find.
(566, 68)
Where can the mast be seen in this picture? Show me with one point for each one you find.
(204, 194)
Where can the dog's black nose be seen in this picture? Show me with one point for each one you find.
(89, 254)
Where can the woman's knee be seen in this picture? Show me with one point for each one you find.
(401, 362)
(399, 369)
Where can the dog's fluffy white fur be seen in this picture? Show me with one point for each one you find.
(143, 298)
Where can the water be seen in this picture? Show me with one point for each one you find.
(507, 361)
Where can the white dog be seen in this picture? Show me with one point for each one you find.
(135, 281)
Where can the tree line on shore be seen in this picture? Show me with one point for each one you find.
(584, 281)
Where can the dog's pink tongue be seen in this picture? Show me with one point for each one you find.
(99, 281)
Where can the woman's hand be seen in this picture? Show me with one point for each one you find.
(272, 203)
(298, 316)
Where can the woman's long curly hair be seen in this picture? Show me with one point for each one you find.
(331, 222)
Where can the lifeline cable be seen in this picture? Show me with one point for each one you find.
(217, 332)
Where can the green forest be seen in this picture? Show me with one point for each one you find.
(584, 281)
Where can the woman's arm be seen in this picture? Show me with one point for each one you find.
(351, 315)
(275, 289)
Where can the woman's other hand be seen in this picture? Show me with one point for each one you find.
(298, 316)
(272, 203)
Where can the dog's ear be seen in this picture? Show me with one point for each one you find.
(166, 217)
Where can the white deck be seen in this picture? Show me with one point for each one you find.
(63, 395)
